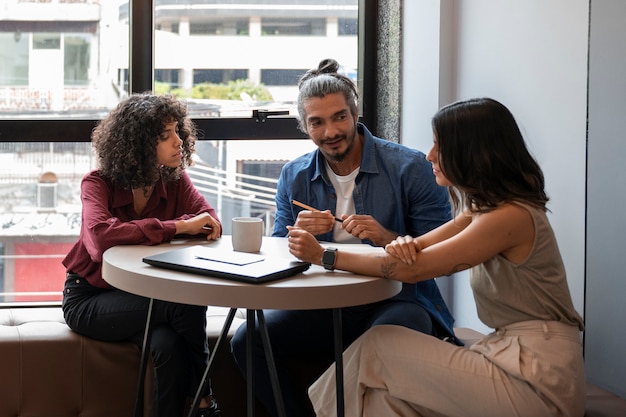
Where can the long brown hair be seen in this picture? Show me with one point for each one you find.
(483, 154)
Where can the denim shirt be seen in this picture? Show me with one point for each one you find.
(395, 185)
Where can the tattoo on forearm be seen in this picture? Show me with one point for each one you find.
(458, 268)
(387, 268)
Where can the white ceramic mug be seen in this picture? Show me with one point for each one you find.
(247, 234)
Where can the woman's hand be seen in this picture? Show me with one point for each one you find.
(304, 246)
(202, 224)
(404, 248)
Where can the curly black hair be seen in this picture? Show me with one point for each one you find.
(125, 142)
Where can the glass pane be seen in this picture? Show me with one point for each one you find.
(58, 57)
(40, 210)
(62, 56)
(13, 61)
(239, 61)
(69, 60)
(39, 215)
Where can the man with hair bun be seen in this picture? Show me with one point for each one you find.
(379, 190)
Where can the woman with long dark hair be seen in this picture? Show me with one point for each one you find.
(532, 364)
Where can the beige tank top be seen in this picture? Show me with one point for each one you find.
(535, 289)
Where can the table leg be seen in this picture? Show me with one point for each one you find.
(221, 340)
(143, 362)
(271, 364)
(250, 383)
(337, 327)
(269, 357)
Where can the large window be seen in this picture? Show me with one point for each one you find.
(64, 65)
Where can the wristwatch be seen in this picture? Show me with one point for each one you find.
(329, 258)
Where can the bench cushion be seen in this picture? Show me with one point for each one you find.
(49, 370)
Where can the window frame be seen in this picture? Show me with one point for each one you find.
(259, 126)
(141, 78)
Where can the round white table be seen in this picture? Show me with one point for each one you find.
(316, 288)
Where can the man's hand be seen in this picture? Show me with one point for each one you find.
(315, 222)
(364, 226)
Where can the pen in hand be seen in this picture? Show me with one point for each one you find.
(304, 206)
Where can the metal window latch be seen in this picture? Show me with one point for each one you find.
(261, 115)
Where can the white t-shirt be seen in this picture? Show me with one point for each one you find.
(344, 186)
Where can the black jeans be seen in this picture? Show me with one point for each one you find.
(179, 342)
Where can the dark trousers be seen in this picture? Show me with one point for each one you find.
(304, 335)
(179, 342)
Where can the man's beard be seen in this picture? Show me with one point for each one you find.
(341, 156)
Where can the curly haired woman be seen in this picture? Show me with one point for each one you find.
(141, 194)
(532, 364)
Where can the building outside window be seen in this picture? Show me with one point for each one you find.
(68, 63)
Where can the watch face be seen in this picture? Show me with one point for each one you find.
(329, 257)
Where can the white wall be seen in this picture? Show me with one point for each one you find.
(532, 56)
(605, 310)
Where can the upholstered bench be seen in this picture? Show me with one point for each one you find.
(48, 370)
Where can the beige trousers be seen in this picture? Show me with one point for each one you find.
(530, 369)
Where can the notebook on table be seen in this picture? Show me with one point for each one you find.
(225, 263)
